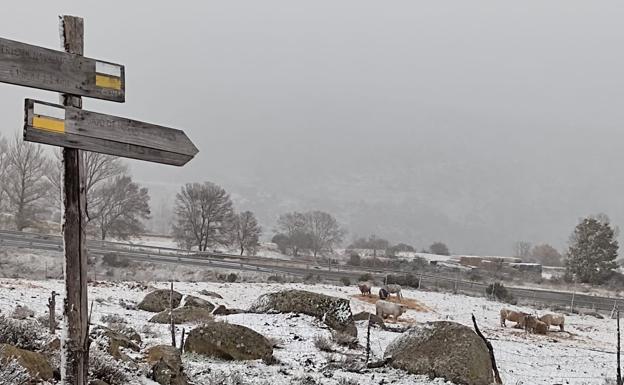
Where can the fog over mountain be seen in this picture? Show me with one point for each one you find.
(475, 123)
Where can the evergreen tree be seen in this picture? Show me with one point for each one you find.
(593, 250)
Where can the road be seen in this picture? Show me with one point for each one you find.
(215, 260)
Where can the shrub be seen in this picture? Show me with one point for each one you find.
(323, 344)
(343, 339)
(113, 320)
(365, 277)
(232, 277)
(354, 259)
(275, 278)
(404, 280)
(475, 277)
(104, 367)
(499, 291)
(27, 335)
(347, 381)
(305, 380)
(14, 373)
(223, 378)
(345, 281)
(419, 263)
(113, 260)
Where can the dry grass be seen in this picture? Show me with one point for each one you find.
(409, 303)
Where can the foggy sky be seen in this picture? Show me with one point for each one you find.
(477, 123)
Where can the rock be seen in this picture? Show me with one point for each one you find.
(443, 349)
(22, 312)
(189, 300)
(35, 364)
(158, 300)
(112, 342)
(210, 294)
(334, 312)
(182, 315)
(228, 341)
(222, 310)
(166, 365)
(375, 319)
(131, 334)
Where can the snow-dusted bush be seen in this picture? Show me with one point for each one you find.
(13, 374)
(27, 334)
(114, 321)
(323, 344)
(223, 378)
(347, 381)
(104, 367)
(347, 340)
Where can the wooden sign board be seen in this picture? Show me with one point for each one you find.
(31, 66)
(91, 131)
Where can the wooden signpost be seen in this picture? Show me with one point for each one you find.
(67, 72)
(74, 129)
(91, 131)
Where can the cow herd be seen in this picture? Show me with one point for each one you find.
(384, 308)
(526, 321)
(530, 322)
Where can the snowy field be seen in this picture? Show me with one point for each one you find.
(583, 354)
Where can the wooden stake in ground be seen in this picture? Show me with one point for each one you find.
(74, 350)
(497, 379)
(368, 338)
(52, 311)
(182, 341)
(619, 370)
(173, 334)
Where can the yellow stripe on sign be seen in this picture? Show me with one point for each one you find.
(107, 82)
(48, 124)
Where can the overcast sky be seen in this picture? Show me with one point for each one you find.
(477, 123)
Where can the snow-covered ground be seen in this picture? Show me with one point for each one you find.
(581, 355)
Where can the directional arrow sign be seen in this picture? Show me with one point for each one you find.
(91, 131)
(31, 66)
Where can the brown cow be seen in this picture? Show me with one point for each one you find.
(553, 319)
(365, 288)
(534, 325)
(511, 315)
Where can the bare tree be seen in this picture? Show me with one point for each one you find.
(293, 226)
(325, 230)
(546, 255)
(100, 168)
(118, 207)
(246, 232)
(26, 186)
(204, 216)
(522, 249)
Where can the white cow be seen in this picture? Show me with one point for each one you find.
(385, 309)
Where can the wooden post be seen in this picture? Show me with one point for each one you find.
(182, 341)
(619, 370)
(173, 336)
(368, 338)
(74, 353)
(52, 311)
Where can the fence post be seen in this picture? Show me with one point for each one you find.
(572, 303)
(173, 336)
